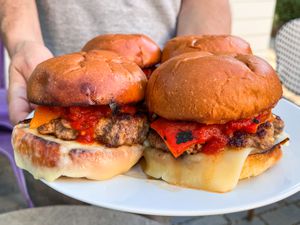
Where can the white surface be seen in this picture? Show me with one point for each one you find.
(252, 9)
(252, 20)
(139, 195)
(245, 27)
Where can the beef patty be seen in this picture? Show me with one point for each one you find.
(114, 131)
(60, 128)
(262, 140)
(122, 129)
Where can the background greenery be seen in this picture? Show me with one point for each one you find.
(285, 11)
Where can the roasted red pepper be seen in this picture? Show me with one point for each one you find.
(179, 136)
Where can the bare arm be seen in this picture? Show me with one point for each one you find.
(19, 23)
(21, 34)
(204, 17)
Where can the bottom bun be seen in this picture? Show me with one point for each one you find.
(258, 163)
(218, 173)
(48, 158)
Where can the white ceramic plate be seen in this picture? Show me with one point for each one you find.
(134, 193)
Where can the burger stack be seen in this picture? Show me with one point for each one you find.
(202, 119)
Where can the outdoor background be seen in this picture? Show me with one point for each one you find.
(257, 21)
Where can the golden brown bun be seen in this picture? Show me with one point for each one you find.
(212, 89)
(93, 78)
(258, 163)
(188, 171)
(135, 47)
(216, 44)
(49, 158)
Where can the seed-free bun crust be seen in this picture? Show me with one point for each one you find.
(135, 47)
(212, 89)
(216, 44)
(49, 158)
(185, 171)
(93, 78)
(256, 164)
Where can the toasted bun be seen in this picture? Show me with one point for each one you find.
(212, 89)
(135, 47)
(216, 44)
(49, 158)
(189, 171)
(256, 164)
(93, 78)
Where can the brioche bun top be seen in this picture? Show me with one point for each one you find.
(216, 44)
(86, 78)
(212, 89)
(135, 47)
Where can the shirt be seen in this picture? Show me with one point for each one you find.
(67, 25)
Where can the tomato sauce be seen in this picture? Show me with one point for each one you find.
(148, 71)
(128, 109)
(179, 136)
(84, 120)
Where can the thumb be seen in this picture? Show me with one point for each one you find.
(18, 105)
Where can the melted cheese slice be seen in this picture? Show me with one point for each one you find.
(218, 172)
(283, 135)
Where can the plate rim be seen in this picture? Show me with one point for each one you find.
(165, 212)
(113, 206)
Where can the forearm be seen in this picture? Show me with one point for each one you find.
(19, 23)
(204, 17)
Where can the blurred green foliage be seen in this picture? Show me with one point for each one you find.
(285, 11)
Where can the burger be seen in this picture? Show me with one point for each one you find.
(135, 47)
(212, 122)
(87, 122)
(216, 44)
